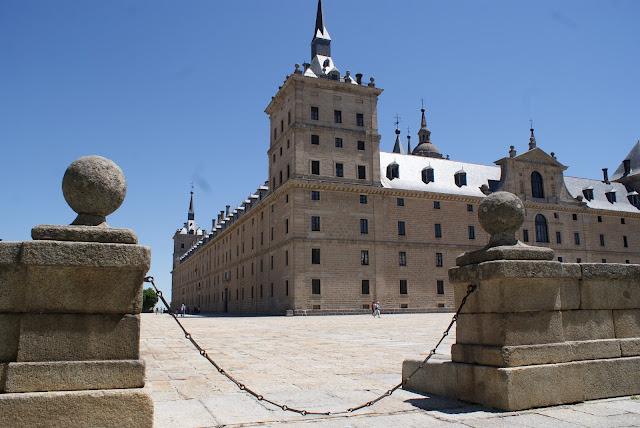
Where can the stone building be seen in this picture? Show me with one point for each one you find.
(340, 223)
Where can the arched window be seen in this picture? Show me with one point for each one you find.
(427, 175)
(460, 178)
(393, 171)
(542, 231)
(537, 186)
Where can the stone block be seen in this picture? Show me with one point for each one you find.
(588, 325)
(518, 328)
(9, 333)
(74, 375)
(527, 387)
(610, 286)
(58, 253)
(3, 376)
(515, 356)
(441, 377)
(78, 337)
(12, 277)
(630, 347)
(76, 233)
(106, 408)
(627, 323)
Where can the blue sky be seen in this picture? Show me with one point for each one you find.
(175, 92)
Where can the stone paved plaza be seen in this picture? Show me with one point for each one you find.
(323, 363)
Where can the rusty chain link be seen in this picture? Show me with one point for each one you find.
(470, 289)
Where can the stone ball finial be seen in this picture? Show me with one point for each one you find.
(501, 214)
(94, 187)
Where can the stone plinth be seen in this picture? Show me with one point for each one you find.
(70, 304)
(537, 332)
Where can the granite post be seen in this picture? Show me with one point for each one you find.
(70, 303)
(536, 332)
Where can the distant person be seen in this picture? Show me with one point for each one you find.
(373, 308)
(183, 309)
(156, 310)
(377, 309)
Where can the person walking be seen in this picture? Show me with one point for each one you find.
(373, 308)
(377, 309)
(183, 309)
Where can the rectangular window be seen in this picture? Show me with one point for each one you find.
(578, 260)
(401, 228)
(599, 219)
(625, 242)
(402, 258)
(601, 240)
(525, 235)
(315, 195)
(472, 232)
(362, 172)
(604, 260)
(289, 117)
(439, 261)
(438, 230)
(558, 237)
(315, 113)
(315, 286)
(272, 234)
(261, 292)
(288, 171)
(436, 205)
(469, 208)
(337, 116)
(315, 256)
(286, 287)
(574, 216)
(286, 225)
(365, 286)
(560, 259)
(339, 142)
(400, 202)
(363, 199)
(315, 223)
(555, 215)
(576, 238)
(315, 139)
(359, 119)
(364, 226)
(622, 220)
(440, 286)
(286, 258)
(364, 257)
(403, 286)
(315, 167)
(339, 170)
(272, 289)
(360, 145)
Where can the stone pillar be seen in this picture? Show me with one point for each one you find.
(536, 332)
(70, 303)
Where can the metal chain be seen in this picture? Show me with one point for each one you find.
(470, 289)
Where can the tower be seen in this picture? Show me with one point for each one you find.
(185, 237)
(324, 123)
(425, 147)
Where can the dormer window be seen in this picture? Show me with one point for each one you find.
(634, 199)
(393, 171)
(427, 175)
(588, 193)
(611, 196)
(537, 185)
(460, 178)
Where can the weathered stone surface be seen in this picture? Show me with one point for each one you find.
(94, 187)
(106, 408)
(627, 322)
(610, 286)
(519, 328)
(58, 253)
(78, 337)
(529, 386)
(77, 289)
(11, 277)
(50, 232)
(501, 214)
(519, 251)
(74, 375)
(9, 333)
(3, 376)
(588, 325)
(630, 347)
(515, 356)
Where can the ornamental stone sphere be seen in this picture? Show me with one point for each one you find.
(94, 187)
(501, 214)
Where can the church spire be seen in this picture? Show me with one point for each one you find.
(532, 138)
(191, 213)
(408, 140)
(321, 43)
(397, 148)
(424, 135)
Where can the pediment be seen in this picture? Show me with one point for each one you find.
(539, 156)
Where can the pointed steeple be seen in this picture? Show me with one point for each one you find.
(321, 43)
(532, 138)
(191, 214)
(396, 147)
(425, 147)
(408, 140)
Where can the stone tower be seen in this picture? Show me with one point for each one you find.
(324, 123)
(187, 235)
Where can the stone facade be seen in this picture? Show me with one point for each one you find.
(332, 120)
